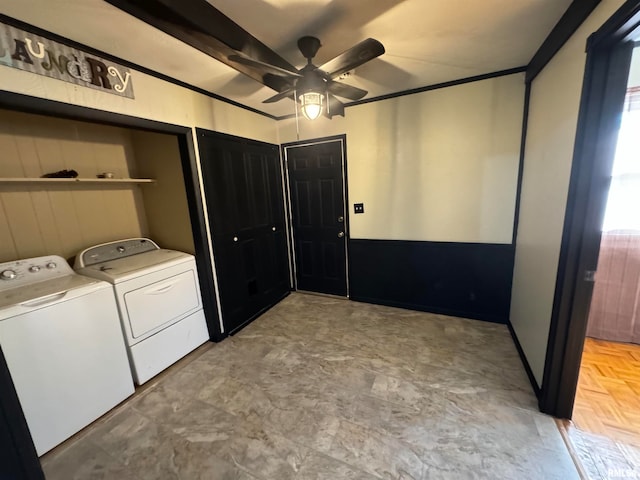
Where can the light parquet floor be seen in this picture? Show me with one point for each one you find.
(608, 398)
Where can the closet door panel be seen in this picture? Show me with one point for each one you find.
(232, 293)
(276, 194)
(276, 272)
(241, 203)
(243, 188)
(259, 189)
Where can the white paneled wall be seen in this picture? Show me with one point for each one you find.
(63, 219)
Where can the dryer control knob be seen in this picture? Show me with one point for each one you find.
(8, 274)
(51, 265)
(34, 268)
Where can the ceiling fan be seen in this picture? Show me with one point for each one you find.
(315, 86)
(199, 24)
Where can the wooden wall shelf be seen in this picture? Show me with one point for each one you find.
(111, 181)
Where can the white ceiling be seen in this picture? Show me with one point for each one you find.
(426, 41)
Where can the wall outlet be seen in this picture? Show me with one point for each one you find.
(358, 207)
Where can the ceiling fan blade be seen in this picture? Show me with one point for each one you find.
(199, 24)
(346, 91)
(267, 68)
(357, 55)
(335, 107)
(276, 98)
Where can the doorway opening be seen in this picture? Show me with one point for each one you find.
(608, 395)
(605, 96)
(318, 217)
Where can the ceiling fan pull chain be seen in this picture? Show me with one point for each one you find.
(326, 93)
(295, 103)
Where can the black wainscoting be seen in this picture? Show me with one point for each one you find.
(471, 280)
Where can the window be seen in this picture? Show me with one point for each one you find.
(623, 206)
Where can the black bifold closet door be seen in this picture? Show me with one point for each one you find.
(243, 190)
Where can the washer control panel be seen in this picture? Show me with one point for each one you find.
(114, 250)
(31, 270)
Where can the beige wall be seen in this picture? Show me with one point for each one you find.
(634, 73)
(165, 202)
(155, 100)
(440, 165)
(553, 116)
(43, 219)
(63, 219)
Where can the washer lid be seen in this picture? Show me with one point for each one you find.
(123, 269)
(48, 291)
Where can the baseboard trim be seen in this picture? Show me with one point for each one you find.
(429, 309)
(218, 337)
(523, 359)
(321, 294)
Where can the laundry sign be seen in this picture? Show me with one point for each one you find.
(39, 55)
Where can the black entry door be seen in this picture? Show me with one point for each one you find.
(243, 186)
(316, 183)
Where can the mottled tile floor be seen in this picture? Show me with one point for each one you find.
(601, 457)
(321, 388)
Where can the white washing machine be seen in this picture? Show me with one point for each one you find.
(158, 297)
(61, 336)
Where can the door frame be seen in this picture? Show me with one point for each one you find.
(342, 139)
(580, 243)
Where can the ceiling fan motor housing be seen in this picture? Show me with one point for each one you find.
(309, 46)
(311, 81)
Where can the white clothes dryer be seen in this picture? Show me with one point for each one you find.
(61, 337)
(158, 296)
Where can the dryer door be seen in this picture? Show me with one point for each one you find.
(161, 303)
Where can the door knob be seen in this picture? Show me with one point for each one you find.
(341, 219)
(340, 234)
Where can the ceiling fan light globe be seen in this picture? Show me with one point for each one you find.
(312, 112)
(311, 104)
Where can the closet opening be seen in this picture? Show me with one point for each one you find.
(155, 191)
